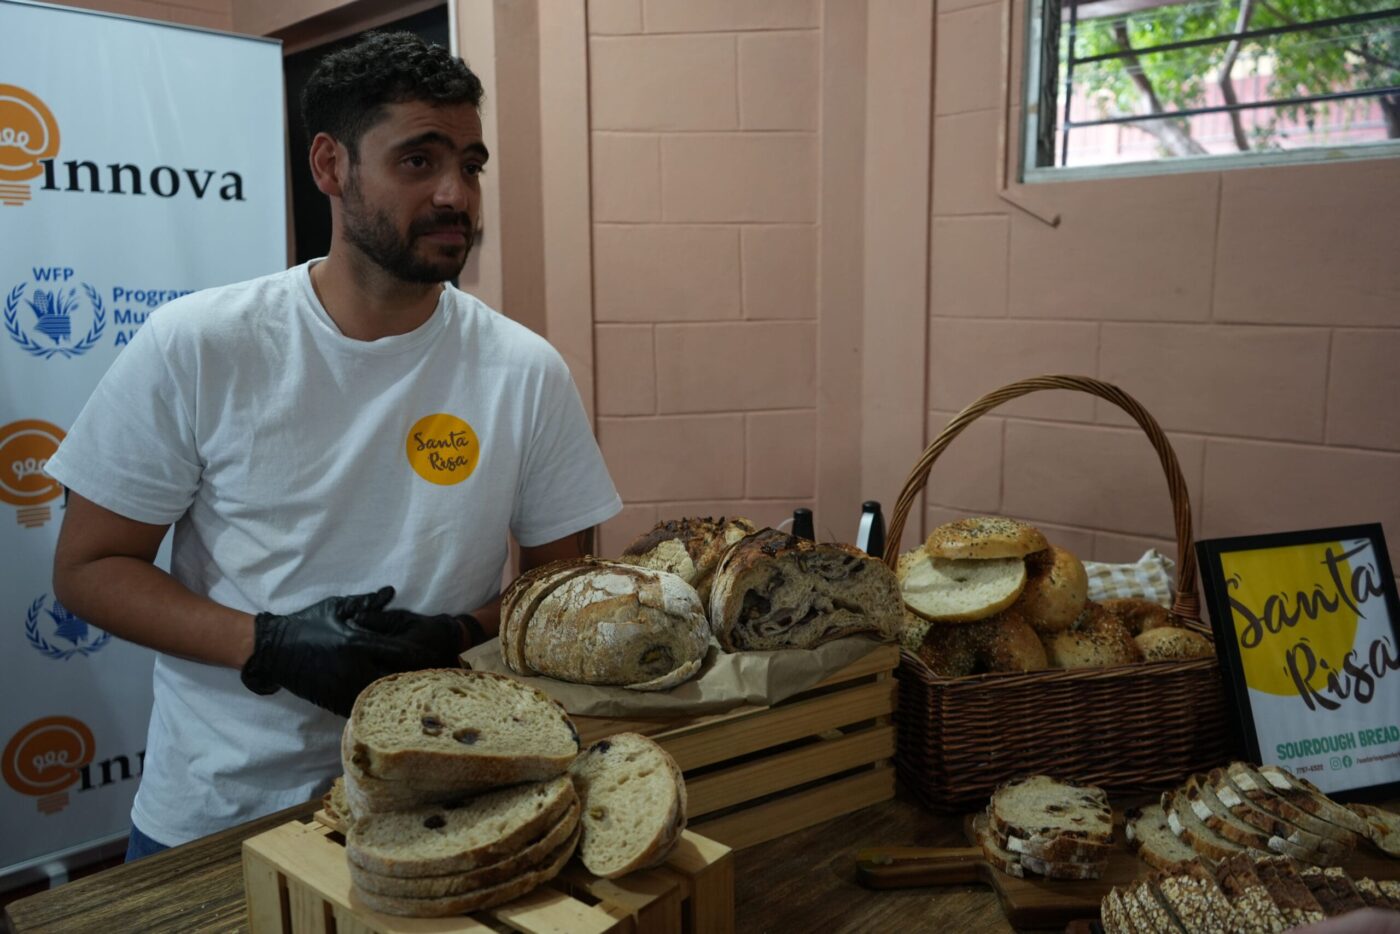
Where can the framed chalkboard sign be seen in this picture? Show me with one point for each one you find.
(1306, 623)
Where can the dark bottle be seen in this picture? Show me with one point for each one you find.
(870, 538)
(802, 524)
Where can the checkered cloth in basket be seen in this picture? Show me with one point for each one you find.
(1150, 577)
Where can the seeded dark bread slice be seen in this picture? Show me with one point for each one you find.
(451, 726)
(476, 900)
(1138, 918)
(1239, 880)
(1154, 911)
(438, 841)
(1184, 822)
(1150, 835)
(1262, 793)
(1114, 916)
(633, 804)
(1198, 903)
(1319, 850)
(1372, 895)
(534, 855)
(1382, 826)
(1286, 887)
(1391, 888)
(1041, 806)
(1311, 799)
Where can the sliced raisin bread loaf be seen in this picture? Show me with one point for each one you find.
(446, 727)
(689, 548)
(777, 591)
(634, 804)
(1041, 806)
(1150, 834)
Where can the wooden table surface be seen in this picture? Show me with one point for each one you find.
(802, 882)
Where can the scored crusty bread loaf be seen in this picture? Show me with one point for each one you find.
(523, 596)
(982, 537)
(436, 841)
(777, 591)
(1150, 834)
(633, 804)
(475, 900)
(451, 726)
(690, 548)
(532, 856)
(617, 625)
(1056, 590)
(1169, 643)
(1041, 806)
(958, 591)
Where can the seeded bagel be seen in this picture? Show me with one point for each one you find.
(1098, 640)
(1055, 592)
(958, 591)
(1169, 642)
(983, 537)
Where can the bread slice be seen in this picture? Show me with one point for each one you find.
(483, 830)
(689, 548)
(1041, 806)
(1113, 914)
(1256, 907)
(1371, 894)
(1133, 910)
(1262, 793)
(534, 855)
(633, 804)
(1382, 827)
(1151, 836)
(984, 537)
(1217, 816)
(776, 591)
(1015, 864)
(1333, 889)
(1280, 876)
(1198, 904)
(452, 726)
(1154, 912)
(1310, 798)
(1391, 888)
(364, 794)
(958, 591)
(475, 900)
(1323, 851)
(1184, 822)
(336, 806)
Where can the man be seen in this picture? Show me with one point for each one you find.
(325, 441)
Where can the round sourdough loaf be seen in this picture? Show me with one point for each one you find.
(436, 841)
(450, 727)
(633, 804)
(956, 591)
(981, 537)
(522, 598)
(690, 548)
(1055, 592)
(615, 624)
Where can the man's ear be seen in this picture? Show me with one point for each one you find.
(330, 164)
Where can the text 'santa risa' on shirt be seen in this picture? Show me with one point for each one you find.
(297, 463)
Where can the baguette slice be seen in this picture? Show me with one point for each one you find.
(451, 726)
(1184, 822)
(1262, 793)
(533, 856)
(1382, 827)
(1040, 806)
(1311, 799)
(633, 804)
(438, 841)
(476, 900)
(1150, 834)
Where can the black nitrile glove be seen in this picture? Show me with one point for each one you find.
(330, 651)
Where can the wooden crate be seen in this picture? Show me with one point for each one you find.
(297, 882)
(757, 773)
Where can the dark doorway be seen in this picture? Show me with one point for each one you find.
(311, 214)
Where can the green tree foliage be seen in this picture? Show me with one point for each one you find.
(1306, 63)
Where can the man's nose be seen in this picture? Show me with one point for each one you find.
(453, 191)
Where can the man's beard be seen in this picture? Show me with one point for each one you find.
(374, 234)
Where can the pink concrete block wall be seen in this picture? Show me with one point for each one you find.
(705, 154)
(209, 14)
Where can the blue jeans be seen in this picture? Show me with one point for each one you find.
(139, 845)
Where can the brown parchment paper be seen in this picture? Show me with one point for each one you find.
(726, 680)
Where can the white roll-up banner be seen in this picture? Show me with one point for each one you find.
(138, 161)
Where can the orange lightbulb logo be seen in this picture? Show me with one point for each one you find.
(28, 135)
(25, 447)
(43, 759)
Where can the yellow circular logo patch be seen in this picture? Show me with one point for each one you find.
(443, 449)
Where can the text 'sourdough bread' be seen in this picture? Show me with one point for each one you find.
(776, 591)
(690, 548)
(983, 537)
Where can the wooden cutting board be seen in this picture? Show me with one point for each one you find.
(1034, 902)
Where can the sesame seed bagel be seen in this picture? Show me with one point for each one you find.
(982, 537)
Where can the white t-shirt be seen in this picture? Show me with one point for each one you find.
(296, 464)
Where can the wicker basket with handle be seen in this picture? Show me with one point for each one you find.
(1129, 729)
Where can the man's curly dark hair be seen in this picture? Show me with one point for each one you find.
(347, 92)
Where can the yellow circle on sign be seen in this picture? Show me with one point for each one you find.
(443, 449)
(1293, 613)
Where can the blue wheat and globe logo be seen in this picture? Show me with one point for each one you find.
(42, 322)
(71, 635)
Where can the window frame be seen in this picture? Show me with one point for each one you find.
(1032, 174)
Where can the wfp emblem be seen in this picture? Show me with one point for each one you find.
(42, 321)
(71, 635)
(28, 136)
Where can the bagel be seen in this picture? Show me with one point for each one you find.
(958, 591)
(1138, 614)
(1055, 592)
(1097, 641)
(1002, 643)
(982, 537)
(1170, 643)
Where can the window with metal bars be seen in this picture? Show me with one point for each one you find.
(1140, 81)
